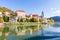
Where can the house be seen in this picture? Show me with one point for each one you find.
(34, 16)
(45, 20)
(40, 17)
(20, 14)
(12, 18)
(1, 14)
(7, 13)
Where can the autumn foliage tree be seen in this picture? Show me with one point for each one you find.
(51, 21)
(41, 20)
(1, 20)
(4, 9)
(34, 20)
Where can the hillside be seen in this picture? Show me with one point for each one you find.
(56, 18)
(3, 9)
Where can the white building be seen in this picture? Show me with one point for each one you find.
(45, 20)
(7, 13)
(34, 16)
(20, 14)
(12, 18)
(1, 14)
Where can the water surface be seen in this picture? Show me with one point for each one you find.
(31, 32)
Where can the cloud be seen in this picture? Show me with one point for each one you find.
(56, 11)
(52, 12)
(53, 8)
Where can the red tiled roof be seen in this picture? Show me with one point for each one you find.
(34, 15)
(20, 11)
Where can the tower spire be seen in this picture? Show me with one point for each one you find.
(42, 15)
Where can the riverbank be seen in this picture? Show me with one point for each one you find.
(20, 23)
(24, 23)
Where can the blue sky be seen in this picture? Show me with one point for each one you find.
(50, 7)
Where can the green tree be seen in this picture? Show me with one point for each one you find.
(27, 20)
(20, 20)
(5, 18)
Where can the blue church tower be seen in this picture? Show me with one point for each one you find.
(42, 14)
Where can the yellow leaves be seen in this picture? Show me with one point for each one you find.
(51, 21)
(34, 20)
(1, 20)
(41, 20)
(4, 9)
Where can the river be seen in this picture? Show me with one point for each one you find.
(31, 32)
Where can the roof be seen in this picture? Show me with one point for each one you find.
(20, 11)
(34, 14)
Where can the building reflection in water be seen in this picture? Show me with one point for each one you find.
(31, 29)
(21, 30)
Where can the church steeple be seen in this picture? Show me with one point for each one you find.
(42, 14)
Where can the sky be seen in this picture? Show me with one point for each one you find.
(49, 7)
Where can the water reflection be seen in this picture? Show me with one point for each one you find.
(24, 31)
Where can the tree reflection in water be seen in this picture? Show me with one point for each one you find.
(21, 30)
